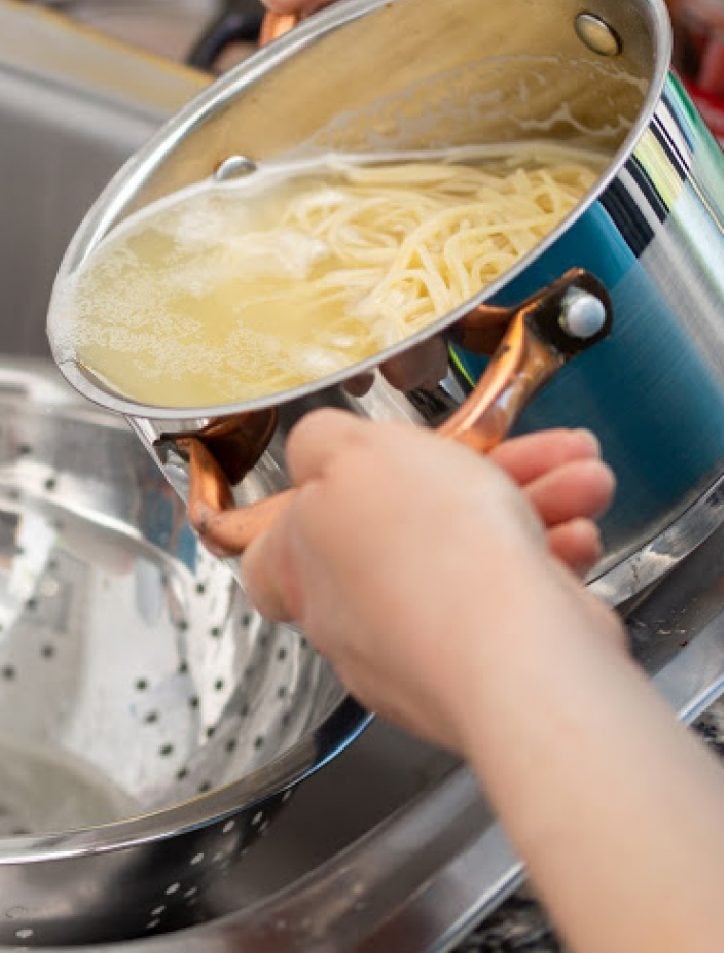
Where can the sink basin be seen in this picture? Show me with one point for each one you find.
(391, 846)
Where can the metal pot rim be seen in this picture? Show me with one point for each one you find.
(104, 213)
(340, 728)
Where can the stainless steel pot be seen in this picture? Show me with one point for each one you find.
(371, 75)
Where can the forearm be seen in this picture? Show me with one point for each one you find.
(615, 809)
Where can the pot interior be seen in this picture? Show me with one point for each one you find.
(417, 74)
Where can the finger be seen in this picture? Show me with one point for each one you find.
(577, 544)
(317, 438)
(579, 488)
(527, 458)
(268, 572)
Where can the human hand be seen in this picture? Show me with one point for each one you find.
(402, 554)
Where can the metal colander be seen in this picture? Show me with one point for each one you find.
(151, 723)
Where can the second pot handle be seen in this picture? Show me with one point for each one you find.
(529, 342)
(275, 25)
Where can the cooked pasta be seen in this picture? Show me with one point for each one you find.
(224, 293)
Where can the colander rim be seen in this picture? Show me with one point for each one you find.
(346, 720)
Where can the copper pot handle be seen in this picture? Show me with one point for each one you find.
(275, 25)
(529, 343)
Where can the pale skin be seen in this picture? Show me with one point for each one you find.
(442, 593)
(445, 590)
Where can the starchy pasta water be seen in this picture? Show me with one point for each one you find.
(230, 291)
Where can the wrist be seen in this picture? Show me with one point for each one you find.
(554, 639)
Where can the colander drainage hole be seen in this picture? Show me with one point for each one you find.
(8, 673)
(50, 484)
(172, 889)
(219, 684)
(196, 859)
(24, 449)
(152, 924)
(182, 774)
(47, 651)
(204, 787)
(157, 911)
(215, 633)
(24, 934)
(166, 749)
(231, 746)
(183, 667)
(141, 684)
(151, 718)
(211, 731)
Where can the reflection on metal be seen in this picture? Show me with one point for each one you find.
(663, 553)
(598, 35)
(235, 167)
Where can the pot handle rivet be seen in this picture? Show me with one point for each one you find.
(235, 167)
(583, 315)
(597, 35)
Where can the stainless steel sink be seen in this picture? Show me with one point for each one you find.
(390, 847)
